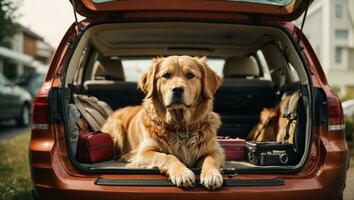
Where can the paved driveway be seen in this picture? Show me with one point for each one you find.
(8, 129)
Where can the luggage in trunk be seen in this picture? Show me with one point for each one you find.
(271, 153)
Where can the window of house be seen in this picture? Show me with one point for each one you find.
(342, 34)
(339, 52)
(351, 57)
(2, 79)
(339, 11)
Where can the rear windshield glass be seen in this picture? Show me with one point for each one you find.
(102, 1)
(134, 68)
(272, 2)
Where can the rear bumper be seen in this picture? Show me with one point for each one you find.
(326, 183)
(294, 189)
(322, 177)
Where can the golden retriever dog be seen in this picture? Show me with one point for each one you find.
(175, 127)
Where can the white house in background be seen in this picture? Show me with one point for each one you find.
(330, 28)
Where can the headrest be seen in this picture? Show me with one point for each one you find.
(241, 67)
(109, 69)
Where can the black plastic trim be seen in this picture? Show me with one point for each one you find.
(55, 114)
(165, 182)
(320, 107)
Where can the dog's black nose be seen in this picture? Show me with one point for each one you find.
(178, 90)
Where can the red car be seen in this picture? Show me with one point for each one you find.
(252, 44)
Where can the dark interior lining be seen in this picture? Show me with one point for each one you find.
(238, 101)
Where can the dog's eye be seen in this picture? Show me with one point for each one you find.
(190, 75)
(166, 75)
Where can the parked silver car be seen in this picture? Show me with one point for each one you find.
(15, 102)
(348, 108)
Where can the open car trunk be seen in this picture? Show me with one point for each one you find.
(276, 68)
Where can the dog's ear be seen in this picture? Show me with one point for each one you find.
(210, 80)
(147, 81)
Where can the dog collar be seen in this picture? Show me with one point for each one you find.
(181, 130)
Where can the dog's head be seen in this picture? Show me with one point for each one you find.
(180, 82)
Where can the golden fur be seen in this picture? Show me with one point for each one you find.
(173, 136)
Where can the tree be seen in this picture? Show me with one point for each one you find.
(8, 27)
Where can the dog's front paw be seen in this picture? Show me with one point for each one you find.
(182, 177)
(211, 179)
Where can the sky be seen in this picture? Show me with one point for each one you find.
(48, 18)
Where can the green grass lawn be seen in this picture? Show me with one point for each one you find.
(15, 180)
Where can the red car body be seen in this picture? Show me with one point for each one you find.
(55, 177)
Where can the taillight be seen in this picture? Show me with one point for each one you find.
(40, 113)
(335, 120)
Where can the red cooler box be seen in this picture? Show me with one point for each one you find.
(234, 148)
(95, 147)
